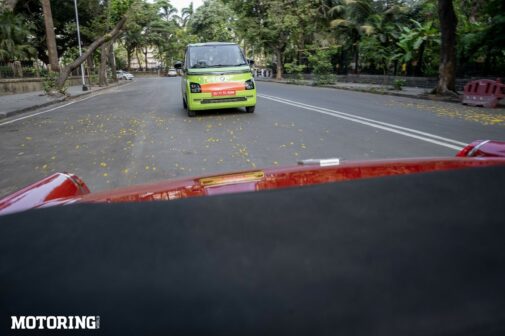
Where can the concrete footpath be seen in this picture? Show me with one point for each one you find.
(13, 104)
(409, 92)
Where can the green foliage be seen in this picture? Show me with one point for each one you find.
(70, 55)
(92, 16)
(481, 32)
(6, 71)
(375, 54)
(415, 40)
(15, 38)
(212, 22)
(49, 83)
(120, 63)
(118, 8)
(353, 21)
(322, 67)
(398, 84)
(271, 26)
(378, 35)
(296, 70)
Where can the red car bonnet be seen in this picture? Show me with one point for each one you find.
(62, 188)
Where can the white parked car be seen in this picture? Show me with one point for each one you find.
(172, 72)
(124, 75)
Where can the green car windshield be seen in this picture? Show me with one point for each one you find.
(210, 56)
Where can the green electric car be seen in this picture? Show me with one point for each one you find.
(216, 75)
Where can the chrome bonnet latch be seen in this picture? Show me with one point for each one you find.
(320, 162)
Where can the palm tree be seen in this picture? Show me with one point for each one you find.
(186, 14)
(353, 21)
(166, 9)
(14, 39)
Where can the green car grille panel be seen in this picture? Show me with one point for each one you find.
(223, 100)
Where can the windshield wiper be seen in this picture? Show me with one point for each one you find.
(228, 65)
(196, 66)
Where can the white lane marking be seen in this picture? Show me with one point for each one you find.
(373, 123)
(55, 108)
(42, 112)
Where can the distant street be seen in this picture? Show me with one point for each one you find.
(139, 133)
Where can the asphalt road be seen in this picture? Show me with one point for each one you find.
(139, 133)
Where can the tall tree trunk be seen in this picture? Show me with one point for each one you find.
(88, 69)
(447, 68)
(129, 53)
(487, 61)
(475, 6)
(280, 68)
(52, 52)
(102, 71)
(301, 46)
(341, 63)
(418, 71)
(145, 58)
(18, 69)
(138, 60)
(356, 58)
(112, 62)
(244, 47)
(64, 73)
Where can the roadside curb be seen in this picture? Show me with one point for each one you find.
(424, 96)
(371, 90)
(7, 114)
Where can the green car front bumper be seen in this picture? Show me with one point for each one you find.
(206, 101)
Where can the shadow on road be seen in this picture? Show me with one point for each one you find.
(213, 113)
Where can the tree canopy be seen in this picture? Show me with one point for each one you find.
(353, 36)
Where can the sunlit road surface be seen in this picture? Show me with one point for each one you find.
(140, 133)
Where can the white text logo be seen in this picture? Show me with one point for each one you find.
(55, 322)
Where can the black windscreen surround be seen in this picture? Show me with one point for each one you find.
(406, 255)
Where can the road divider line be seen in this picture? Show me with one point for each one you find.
(430, 135)
(60, 106)
(427, 137)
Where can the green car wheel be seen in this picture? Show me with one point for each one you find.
(250, 109)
